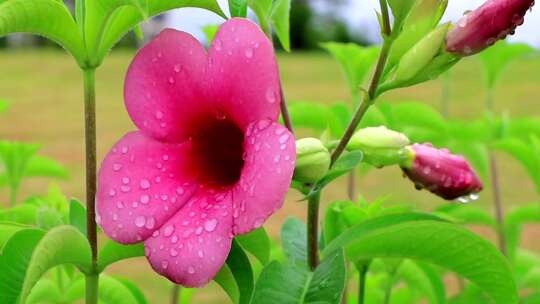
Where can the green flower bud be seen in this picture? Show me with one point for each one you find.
(421, 54)
(312, 160)
(381, 146)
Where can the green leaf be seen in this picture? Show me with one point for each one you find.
(356, 62)
(291, 284)
(135, 291)
(48, 218)
(280, 19)
(466, 214)
(39, 166)
(497, 57)
(346, 163)
(443, 244)
(111, 291)
(257, 242)
(113, 252)
(48, 18)
(15, 157)
(225, 279)
(525, 154)
(22, 214)
(400, 10)
(424, 279)
(262, 9)
(7, 230)
(126, 17)
(293, 238)
(373, 224)
(241, 269)
(3, 105)
(210, 32)
(77, 215)
(306, 114)
(45, 291)
(514, 222)
(238, 8)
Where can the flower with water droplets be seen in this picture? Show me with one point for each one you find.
(447, 175)
(481, 28)
(209, 160)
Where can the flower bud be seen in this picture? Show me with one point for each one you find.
(442, 173)
(481, 28)
(312, 160)
(381, 146)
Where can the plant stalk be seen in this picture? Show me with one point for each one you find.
(497, 203)
(313, 231)
(285, 110)
(175, 294)
(362, 273)
(92, 278)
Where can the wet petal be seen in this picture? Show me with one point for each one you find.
(243, 73)
(269, 164)
(140, 186)
(163, 85)
(193, 245)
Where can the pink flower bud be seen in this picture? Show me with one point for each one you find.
(442, 173)
(481, 28)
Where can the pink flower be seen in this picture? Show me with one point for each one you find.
(209, 160)
(492, 21)
(444, 174)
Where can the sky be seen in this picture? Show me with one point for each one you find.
(359, 15)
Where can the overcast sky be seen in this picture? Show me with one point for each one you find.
(359, 14)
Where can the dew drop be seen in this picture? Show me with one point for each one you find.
(191, 270)
(125, 180)
(271, 95)
(173, 252)
(168, 231)
(199, 230)
(120, 205)
(140, 221)
(200, 253)
(164, 264)
(427, 170)
(112, 192)
(150, 223)
(98, 219)
(117, 167)
(463, 199)
(125, 188)
(263, 124)
(180, 190)
(124, 150)
(474, 196)
(283, 138)
(159, 114)
(171, 80)
(177, 68)
(249, 52)
(145, 184)
(218, 45)
(174, 239)
(210, 225)
(258, 223)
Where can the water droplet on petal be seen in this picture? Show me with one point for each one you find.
(117, 167)
(283, 138)
(191, 270)
(173, 252)
(164, 264)
(210, 225)
(258, 223)
(474, 196)
(171, 80)
(150, 223)
(180, 190)
(145, 184)
(140, 221)
(271, 95)
(168, 230)
(125, 180)
(218, 45)
(112, 192)
(249, 52)
(159, 115)
(177, 68)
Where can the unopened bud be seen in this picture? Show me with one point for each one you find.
(312, 160)
(381, 146)
(442, 173)
(481, 28)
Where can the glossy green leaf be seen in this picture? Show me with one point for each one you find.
(48, 218)
(293, 239)
(14, 157)
(210, 32)
(113, 252)
(48, 18)
(226, 280)
(514, 222)
(7, 230)
(257, 242)
(238, 8)
(61, 245)
(262, 9)
(45, 291)
(135, 291)
(356, 62)
(77, 215)
(423, 279)
(497, 57)
(40, 166)
(291, 284)
(111, 291)
(14, 261)
(242, 271)
(466, 214)
(280, 19)
(400, 10)
(443, 244)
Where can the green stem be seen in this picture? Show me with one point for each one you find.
(313, 230)
(92, 278)
(175, 294)
(362, 273)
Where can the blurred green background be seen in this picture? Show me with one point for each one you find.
(45, 94)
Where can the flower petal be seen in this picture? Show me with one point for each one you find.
(141, 185)
(162, 88)
(193, 245)
(270, 155)
(243, 72)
